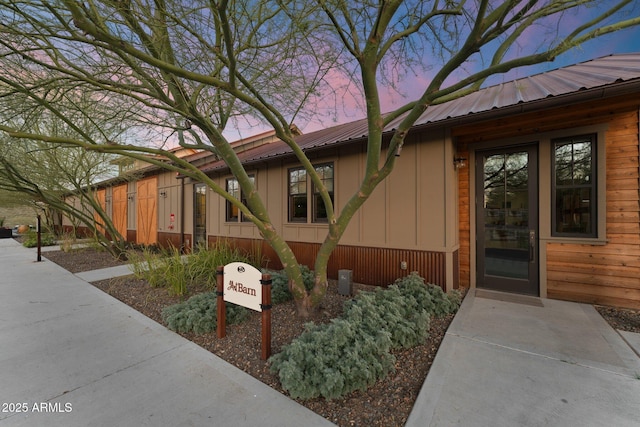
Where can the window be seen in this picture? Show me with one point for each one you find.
(326, 176)
(233, 187)
(299, 191)
(297, 195)
(574, 203)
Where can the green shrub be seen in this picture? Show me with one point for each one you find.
(333, 360)
(389, 309)
(353, 352)
(432, 298)
(280, 283)
(199, 314)
(46, 239)
(159, 269)
(176, 272)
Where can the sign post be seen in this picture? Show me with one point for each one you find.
(245, 285)
(221, 312)
(266, 316)
(39, 239)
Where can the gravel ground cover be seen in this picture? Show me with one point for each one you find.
(388, 403)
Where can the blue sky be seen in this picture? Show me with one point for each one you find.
(624, 41)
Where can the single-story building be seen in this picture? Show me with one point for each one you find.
(530, 186)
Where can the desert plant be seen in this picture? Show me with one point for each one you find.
(431, 297)
(46, 239)
(202, 264)
(67, 242)
(280, 283)
(143, 265)
(354, 351)
(332, 360)
(177, 272)
(401, 315)
(199, 314)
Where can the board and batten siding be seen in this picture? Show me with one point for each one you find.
(405, 221)
(606, 272)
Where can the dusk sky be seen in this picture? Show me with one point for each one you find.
(619, 42)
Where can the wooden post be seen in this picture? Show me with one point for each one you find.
(266, 316)
(221, 309)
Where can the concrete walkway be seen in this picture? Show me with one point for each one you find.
(517, 361)
(71, 355)
(74, 356)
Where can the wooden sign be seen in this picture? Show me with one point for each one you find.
(242, 285)
(237, 282)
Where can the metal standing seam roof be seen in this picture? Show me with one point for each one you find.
(597, 73)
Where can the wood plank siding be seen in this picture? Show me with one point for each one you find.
(606, 272)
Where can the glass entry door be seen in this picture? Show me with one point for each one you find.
(507, 220)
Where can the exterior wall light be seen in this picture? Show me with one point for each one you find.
(459, 162)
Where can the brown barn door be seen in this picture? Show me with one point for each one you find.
(101, 198)
(120, 209)
(147, 212)
(507, 220)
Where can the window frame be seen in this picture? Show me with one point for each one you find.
(316, 199)
(312, 200)
(592, 185)
(292, 197)
(229, 207)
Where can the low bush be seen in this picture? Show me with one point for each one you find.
(280, 283)
(332, 360)
(354, 351)
(31, 240)
(199, 314)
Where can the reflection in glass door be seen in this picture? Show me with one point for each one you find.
(507, 221)
(200, 215)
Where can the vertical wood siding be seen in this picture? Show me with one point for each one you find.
(370, 266)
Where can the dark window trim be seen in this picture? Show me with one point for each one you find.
(593, 185)
(228, 206)
(292, 197)
(310, 197)
(316, 200)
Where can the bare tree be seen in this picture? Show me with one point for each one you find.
(60, 179)
(195, 67)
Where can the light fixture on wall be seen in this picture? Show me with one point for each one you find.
(459, 162)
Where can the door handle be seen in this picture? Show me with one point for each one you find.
(532, 245)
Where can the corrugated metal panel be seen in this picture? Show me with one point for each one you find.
(370, 266)
(592, 74)
(596, 73)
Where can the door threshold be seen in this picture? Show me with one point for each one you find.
(508, 297)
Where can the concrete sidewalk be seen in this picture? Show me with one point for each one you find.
(77, 357)
(517, 361)
(72, 355)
